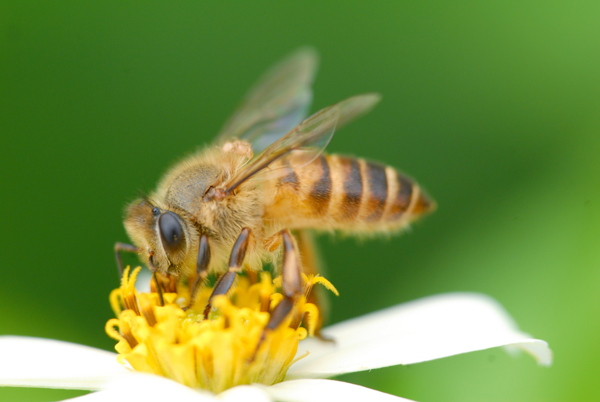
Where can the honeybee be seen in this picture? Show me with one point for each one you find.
(264, 184)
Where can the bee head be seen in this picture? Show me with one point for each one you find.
(162, 236)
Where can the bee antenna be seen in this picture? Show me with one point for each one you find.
(141, 194)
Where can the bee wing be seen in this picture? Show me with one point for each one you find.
(310, 137)
(277, 103)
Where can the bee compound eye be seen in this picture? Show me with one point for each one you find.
(171, 232)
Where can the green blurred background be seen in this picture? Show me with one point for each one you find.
(492, 106)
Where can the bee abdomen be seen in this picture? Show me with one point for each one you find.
(320, 193)
(365, 192)
(350, 193)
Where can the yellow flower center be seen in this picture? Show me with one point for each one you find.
(156, 334)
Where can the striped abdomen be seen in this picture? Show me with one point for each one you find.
(336, 192)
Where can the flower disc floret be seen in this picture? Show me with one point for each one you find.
(233, 346)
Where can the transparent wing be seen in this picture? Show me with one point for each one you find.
(277, 103)
(310, 137)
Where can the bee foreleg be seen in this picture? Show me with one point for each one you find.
(119, 247)
(202, 262)
(159, 288)
(235, 265)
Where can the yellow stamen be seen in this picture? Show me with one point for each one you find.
(231, 347)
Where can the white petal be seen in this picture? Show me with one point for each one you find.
(245, 393)
(146, 387)
(144, 279)
(309, 390)
(426, 329)
(37, 362)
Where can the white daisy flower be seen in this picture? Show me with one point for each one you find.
(164, 351)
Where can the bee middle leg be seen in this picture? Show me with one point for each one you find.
(235, 266)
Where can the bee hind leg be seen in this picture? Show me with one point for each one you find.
(235, 266)
(291, 285)
(291, 280)
(311, 265)
(307, 253)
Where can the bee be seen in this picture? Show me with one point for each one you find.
(263, 185)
